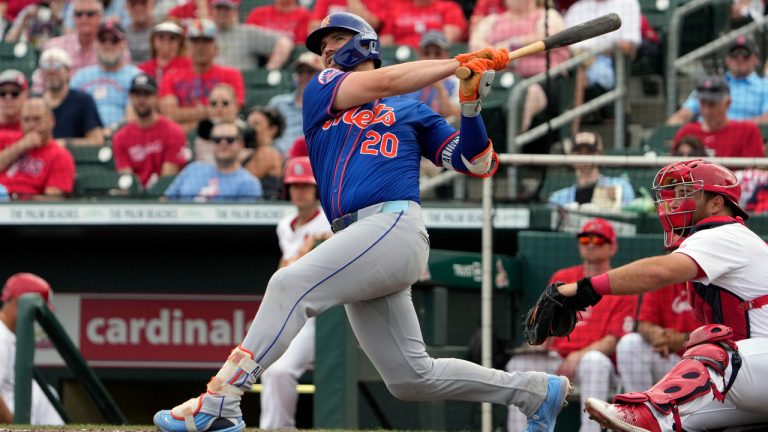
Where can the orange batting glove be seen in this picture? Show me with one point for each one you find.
(473, 89)
(498, 56)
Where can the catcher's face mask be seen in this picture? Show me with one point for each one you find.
(676, 189)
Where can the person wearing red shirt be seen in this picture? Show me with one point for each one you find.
(152, 145)
(721, 136)
(372, 11)
(184, 92)
(587, 353)
(284, 16)
(408, 19)
(664, 322)
(13, 94)
(32, 164)
(166, 44)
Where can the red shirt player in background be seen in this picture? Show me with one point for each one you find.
(587, 353)
(664, 322)
(13, 93)
(408, 19)
(32, 164)
(283, 16)
(722, 137)
(184, 92)
(152, 145)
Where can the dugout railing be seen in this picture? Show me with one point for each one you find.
(31, 309)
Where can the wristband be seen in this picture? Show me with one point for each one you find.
(602, 284)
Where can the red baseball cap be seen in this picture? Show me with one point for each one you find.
(600, 227)
(23, 283)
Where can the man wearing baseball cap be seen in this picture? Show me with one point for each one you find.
(748, 91)
(244, 46)
(442, 97)
(109, 79)
(152, 145)
(589, 180)
(306, 66)
(587, 354)
(13, 93)
(77, 118)
(17, 285)
(184, 92)
(722, 136)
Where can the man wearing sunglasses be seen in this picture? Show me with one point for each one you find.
(81, 43)
(223, 180)
(184, 92)
(108, 81)
(152, 145)
(749, 92)
(722, 136)
(588, 354)
(13, 94)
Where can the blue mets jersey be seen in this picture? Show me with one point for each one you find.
(370, 153)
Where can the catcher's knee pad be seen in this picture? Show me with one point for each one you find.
(708, 346)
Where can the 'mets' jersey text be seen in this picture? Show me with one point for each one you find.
(370, 153)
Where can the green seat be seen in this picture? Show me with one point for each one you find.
(20, 56)
(247, 5)
(91, 154)
(101, 183)
(261, 85)
(156, 190)
(661, 138)
(394, 54)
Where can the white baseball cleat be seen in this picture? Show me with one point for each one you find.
(622, 417)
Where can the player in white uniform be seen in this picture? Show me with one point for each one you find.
(298, 234)
(43, 412)
(717, 383)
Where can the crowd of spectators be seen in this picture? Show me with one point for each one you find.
(193, 59)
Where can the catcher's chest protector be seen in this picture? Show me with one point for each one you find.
(716, 305)
(689, 379)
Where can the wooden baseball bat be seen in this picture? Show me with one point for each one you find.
(587, 30)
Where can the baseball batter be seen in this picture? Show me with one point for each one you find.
(365, 146)
(717, 383)
(297, 234)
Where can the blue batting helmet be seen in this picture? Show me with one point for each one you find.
(363, 46)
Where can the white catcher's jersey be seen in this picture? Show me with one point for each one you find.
(43, 412)
(734, 258)
(291, 240)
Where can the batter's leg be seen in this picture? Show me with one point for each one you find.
(388, 331)
(278, 395)
(546, 361)
(372, 258)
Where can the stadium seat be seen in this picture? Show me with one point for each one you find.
(247, 5)
(660, 140)
(91, 154)
(20, 56)
(394, 54)
(156, 190)
(97, 182)
(261, 85)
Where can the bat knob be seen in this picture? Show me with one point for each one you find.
(463, 72)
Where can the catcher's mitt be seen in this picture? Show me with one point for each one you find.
(548, 317)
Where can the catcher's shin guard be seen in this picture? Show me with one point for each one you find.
(707, 347)
(222, 398)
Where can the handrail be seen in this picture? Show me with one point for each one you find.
(673, 47)
(514, 141)
(31, 308)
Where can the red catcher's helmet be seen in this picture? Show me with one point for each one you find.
(675, 186)
(23, 283)
(299, 170)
